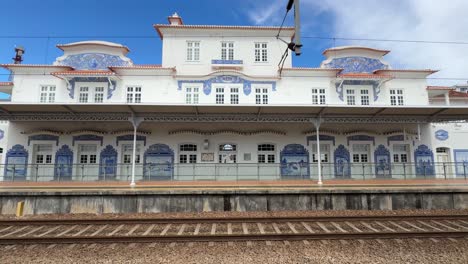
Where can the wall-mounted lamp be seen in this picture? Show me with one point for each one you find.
(19, 55)
(206, 144)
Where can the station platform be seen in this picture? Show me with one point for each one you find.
(178, 196)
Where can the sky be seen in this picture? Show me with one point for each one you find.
(40, 25)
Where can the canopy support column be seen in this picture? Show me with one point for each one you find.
(317, 123)
(136, 123)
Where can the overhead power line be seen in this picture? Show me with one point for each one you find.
(235, 36)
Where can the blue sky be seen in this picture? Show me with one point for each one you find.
(93, 19)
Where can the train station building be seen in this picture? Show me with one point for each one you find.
(219, 108)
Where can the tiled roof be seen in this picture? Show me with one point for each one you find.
(6, 83)
(403, 70)
(158, 27)
(139, 67)
(438, 88)
(454, 94)
(33, 66)
(310, 69)
(83, 72)
(364, 76)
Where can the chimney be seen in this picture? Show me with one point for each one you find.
(19, 55)
(175, 20)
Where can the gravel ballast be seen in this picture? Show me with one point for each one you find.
(369, 251)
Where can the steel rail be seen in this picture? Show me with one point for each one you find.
(191, 220)
(232, 237)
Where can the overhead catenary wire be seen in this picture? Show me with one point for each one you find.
(230, 72)
(448, 42)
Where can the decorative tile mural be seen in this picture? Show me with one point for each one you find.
(424, 161)
(229, 79)
(342, 162)
(461, 162)
(93, 61)
(108, 163)
(383, 167)
(295, 162)
(356, 64)
(63, 163)
(158, 162)
(16, 164)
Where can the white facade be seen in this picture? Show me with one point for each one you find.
(196, 112)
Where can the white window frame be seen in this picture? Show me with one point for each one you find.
(262, 95)
(193, 51)
(261, 52)
(188, 156)
(133, 94)
(99, 95)
(234, 95)
(350, 96)
(266, 156)
(83, 94)
(364, 96)
(397, 97)
(227, 50)
(192, 94)
(319, 96)
(219, 94)
(47, 93)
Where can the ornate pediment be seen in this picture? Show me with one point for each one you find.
(93, 61)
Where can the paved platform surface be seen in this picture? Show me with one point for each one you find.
(249, 186)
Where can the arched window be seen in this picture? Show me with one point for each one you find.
(227, 153)
(266, 153)
(188, 153)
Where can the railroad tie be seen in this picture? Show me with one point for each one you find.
(48, 231)
(339, 227)
(132, 230)
(150, 228)
(428, 225)
(181, 230)
(399, 226)
(15, 231)
(32, 231)
(82, 231)
(446, 226)
(456, 224)
(99, 230)
(6, 229)
(324, 228)
(307, 226)
(163, 233)
(116, 230)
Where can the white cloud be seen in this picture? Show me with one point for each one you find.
(434, 20)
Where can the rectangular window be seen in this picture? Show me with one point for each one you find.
(99, 94)
(227, 50)
(84, 94)
(182, 158)
(318, 96)
(193, 50)
(350, 98)
(134, 94)
(47, 94)
(191, 95)
(219, 95)
(365, 97)
(396, 97)
(234, 95)
(261, 52)
(261, 95)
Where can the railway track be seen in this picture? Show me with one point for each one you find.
(146, 230)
